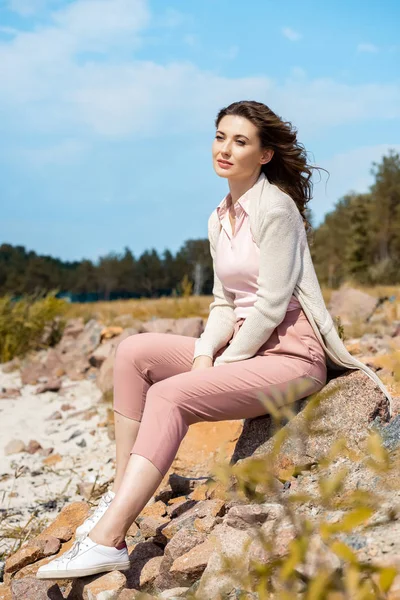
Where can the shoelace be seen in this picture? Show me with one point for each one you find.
(103, 504)
(72, 552)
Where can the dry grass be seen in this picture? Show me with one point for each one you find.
(142, 309)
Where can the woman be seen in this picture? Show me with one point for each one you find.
(264, 329)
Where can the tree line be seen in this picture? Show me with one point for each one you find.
(358, 241)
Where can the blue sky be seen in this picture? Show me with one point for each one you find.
(107, 109)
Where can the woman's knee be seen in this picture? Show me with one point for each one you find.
(136, 347)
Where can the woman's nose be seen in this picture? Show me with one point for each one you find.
(226, 149)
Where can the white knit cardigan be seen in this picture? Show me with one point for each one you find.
(286, 268)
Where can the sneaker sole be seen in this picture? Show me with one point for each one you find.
(74, 573)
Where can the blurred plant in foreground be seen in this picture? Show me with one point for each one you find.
(317, 563)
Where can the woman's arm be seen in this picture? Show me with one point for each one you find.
(221, 319)
(280, 264)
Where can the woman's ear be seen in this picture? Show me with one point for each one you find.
(266, 156)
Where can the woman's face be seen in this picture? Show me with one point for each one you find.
(237, 143)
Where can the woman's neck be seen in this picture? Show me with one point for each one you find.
(239, 187)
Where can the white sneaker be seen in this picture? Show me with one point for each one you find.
(85, 557)
(91, 521)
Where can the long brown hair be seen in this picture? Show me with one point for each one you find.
(288, 169)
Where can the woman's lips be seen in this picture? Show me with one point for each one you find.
(224, 165)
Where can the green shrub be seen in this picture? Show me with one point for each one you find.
(30, 323)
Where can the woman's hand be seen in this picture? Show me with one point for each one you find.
(202, 362)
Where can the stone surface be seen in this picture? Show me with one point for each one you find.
(181, 543)
(150, 571)
(248, 515)
(201, 509)
(351, 304)
(348, 412)
(14, 447)
(231, 543)
(35, 549)
(67, 521)
(191, 326)
(98, 587)
(51, 386)
(31, 588)
(192, 564)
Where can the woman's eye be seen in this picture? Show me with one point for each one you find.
(241, 142)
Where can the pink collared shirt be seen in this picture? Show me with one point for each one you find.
(237, 256)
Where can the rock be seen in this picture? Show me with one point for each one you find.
(140, 554)
(390, 433)
(53, 459)
(318, 557)
(67, 521)
(33, 446)
(14, 447)
(248, 515)
(181, 543)
(35, 549)
(98, 587)
(6, 393)
(31, 588)
(351, 304)
(104, 379)
(182, 486)
(132, 594)
(109, 332)
(230, 543)
(51, 386)
(347, 413)
(201, 509)
(67, 406)
(156, 509)
(104, 358)
(174, 593)
(11, 365)
(191, 565)
(150, 571)
(152, 526)
(192, 326)
(282, 534)
(56, 415)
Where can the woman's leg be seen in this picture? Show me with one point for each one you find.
(141, 360)
(230, 391)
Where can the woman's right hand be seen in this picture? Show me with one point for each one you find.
(202, 362)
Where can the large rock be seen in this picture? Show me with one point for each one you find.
(351, 305)
(107, 348)
(104, 358)
(69, 356)
(353, 404)
(98, 587)
(192, 326)
(31, 588)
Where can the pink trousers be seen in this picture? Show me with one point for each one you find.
(154, 383)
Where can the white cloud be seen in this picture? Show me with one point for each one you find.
(291, 34)
(371, 48)
(49, 85)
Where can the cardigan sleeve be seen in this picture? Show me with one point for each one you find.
(221, 320)
(280, 265)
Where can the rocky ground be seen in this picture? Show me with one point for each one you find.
(57, 442)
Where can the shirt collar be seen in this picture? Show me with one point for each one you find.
(243, 201)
